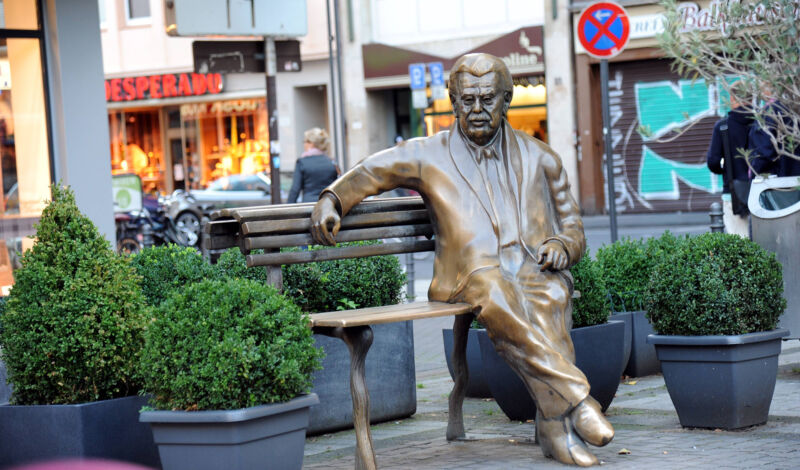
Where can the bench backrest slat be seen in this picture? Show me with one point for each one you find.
(296, 257)
(303, 225)
(303, 239)
(288, 225)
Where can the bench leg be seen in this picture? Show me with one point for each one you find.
(358, 340)
(455, 423)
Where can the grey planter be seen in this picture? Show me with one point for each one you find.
(643, 360)
(390, 373)
(598, 354)
(476, 385)
(722, 382)
(5, 387)
(108, 429)
(261, 437)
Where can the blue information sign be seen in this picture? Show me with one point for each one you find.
(417, 74)
(437, 73)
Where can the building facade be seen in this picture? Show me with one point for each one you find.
(661, 123)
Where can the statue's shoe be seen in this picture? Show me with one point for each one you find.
(590, 424)
(559, 441)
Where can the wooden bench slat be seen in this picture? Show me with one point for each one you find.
(296, 257)
(296, 211)
(388, 314)
(221, 242)
(280, 241)
(303, 225)
(223, 226)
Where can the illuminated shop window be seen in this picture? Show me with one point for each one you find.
(25, 169)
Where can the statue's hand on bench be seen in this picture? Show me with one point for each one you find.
(325, 221)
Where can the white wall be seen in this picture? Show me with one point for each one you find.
(398, 22)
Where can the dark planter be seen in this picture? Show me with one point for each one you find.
(598, 354)
(390, 373)
(261, 437)
(722, 382)
(108, 429)
(5, 387)
(625, 317)
(643, 360)
(476, 385)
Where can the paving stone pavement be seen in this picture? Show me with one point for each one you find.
(642, 414)
(645, 421)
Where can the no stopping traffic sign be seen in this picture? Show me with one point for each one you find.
(603, 29)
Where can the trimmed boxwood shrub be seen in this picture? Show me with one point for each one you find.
(627, 264)
(167, 268)
(716, 284)
(227, 345)
(591, 308)
(233, 265)
(345, 284)
(72, 325)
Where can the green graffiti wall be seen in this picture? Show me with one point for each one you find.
(661, 126)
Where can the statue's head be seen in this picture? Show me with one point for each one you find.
(480, 90)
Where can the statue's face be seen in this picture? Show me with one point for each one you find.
(480, 106)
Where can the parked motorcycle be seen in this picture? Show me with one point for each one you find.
(139, 229)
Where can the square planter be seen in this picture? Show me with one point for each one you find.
(390, 375)
(643, 360)
(108, 429)
(261, 437)
(598, 354)
(476, 384)
(722, 382)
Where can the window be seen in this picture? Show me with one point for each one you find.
(101, 9)
(137, 12)
(25, 161)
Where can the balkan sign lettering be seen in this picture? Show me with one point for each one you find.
(169, 85)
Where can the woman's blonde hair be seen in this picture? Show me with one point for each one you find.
(317, 137)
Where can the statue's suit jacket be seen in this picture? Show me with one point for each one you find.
(444, 172)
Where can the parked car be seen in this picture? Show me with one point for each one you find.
(187, 208)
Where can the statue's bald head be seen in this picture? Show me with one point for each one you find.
(479, 64)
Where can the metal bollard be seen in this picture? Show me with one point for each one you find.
(147, 235)
(717, 225)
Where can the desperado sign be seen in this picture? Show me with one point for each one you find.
(169, 85)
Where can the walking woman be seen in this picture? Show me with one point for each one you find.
(314, 170)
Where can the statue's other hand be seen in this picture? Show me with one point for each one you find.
(325, 221)
(552, 256)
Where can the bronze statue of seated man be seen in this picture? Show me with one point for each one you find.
(507, 229)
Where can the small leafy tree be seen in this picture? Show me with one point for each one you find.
(755, 41)
(73, 323)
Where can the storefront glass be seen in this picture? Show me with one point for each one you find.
(224, 138)
(136, 147)
(194, 144)
(527, 113)
(25, 173)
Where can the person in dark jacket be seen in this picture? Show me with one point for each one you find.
(739, 124)
(764, 151)
(314, 170)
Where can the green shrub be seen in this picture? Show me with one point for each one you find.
(165, 269)
(591, 308)
(227, 344)
(72, 325)
(626, 266)
(716, 284)
(345, 284)
(233, 265)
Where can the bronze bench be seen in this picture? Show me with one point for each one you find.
(274, 227)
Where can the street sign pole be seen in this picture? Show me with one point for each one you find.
(272, 119)
(603, 31)
(612, 204)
